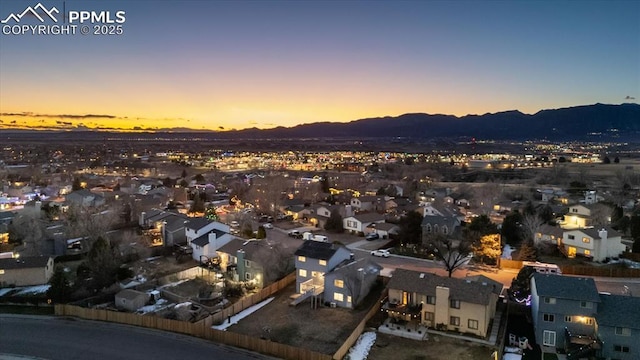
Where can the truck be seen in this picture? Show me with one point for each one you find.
(310, 236)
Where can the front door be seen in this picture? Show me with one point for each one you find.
(549, 338)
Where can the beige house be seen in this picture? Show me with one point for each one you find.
(462, 305)
(592, 243)
(26, 271)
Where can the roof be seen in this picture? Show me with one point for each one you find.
(566, 287)
(497, 286)
(174, 222)
(386, 226)
(347, 266)
(197, 223)
(130, 294)
(595, 232)
(619, 311)
(316, 250)
(250, 248)
(25, 262)
(204, 239)
(369, 217)
(547, 229)
(468, 291)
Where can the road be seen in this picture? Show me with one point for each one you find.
(51, 338)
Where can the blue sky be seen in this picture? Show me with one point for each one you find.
(237, 64)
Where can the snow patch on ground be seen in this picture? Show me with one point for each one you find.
(361, 349)
(5, 291)
(38, 289)
(241, 315)
(159, 305)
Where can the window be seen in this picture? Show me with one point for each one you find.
(574, 210)
(323, 262)
(428, 227)
(623, 331)
(548, 317)
(568, 319)
(454, 304)
(247, 263)
(338, 283)
(586, 240)
(587, 252)
(302, 272)
(352, 224)
(349, 299)
(454, 320)
(429, 316)
(571, 237)
(588, 321)
(445, 230)
(436, 229)
(586, 304)
(473, 324)
(621, 348)
(431, 300)
(302, 258)
(316, 273)
(549, 338)
(549, 300)
(247, 276)
(338, 296)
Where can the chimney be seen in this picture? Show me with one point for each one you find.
(603, 234)
(212, 240)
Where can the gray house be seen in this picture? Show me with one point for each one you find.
(313, 260)
(564, 312)
(349, 283)
(618, 322)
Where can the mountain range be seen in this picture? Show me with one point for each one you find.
(598, 122)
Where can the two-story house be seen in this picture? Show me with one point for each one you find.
(26, 270)
(548, 234)
(564, 310)
(349, 283)
(369, 203)
(358, 223)
(205, 237)
(243, 260)
(618, 321)
(592, 243)
(313, 260)
(443, 221)
(463, 305)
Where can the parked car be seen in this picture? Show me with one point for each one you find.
(234, 224)
(372, 236)
(295, 233)
(380, 253)
(267, 226)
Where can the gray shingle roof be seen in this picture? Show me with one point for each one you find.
(204, 239)
(25, 262)
(566, 287)
(425, 283)
(197, 223)
(619, 311)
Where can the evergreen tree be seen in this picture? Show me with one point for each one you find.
(60, 286)
(410, 231)
(334, 223)
(262, 233)
(511, 228)
(76, 184)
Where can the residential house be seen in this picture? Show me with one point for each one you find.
(548, 234)
(131, 300)
(618, 325)
(313, 260)
(174, 230)
(205, 237)
(369, 203)
(462, 305)
(244, 260)
(383, 229)
(592, 243)
(563, 309)
(26, 271)
(443, 221)
(84, 198)
(349, 283)
(577, 218)
(358, 223)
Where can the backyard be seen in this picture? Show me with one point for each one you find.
(436, 348)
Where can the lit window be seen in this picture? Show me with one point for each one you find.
(302, 272)
(349, 299)
(338, 283)
(586, 240)
(323, 262)
(338, 297)
(587, 252)
(302, 258)
(473, 324)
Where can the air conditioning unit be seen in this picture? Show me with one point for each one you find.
(333, 304)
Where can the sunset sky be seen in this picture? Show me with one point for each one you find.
(237, 64)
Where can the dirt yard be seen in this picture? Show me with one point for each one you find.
(322, 330)
(436, 348)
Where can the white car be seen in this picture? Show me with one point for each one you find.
(380, 253)
(267, 226)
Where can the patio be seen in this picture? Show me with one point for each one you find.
(406, 329)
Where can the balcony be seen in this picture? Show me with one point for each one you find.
(402, 311)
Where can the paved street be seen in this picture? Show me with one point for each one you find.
(28, 337)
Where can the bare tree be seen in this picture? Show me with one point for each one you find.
(531, 224)
(28, 229)
(486, 196)
(354, 283)
(453, 254)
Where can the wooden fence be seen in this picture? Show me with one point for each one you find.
(198, 329)
(344, 349)
(608, 271)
